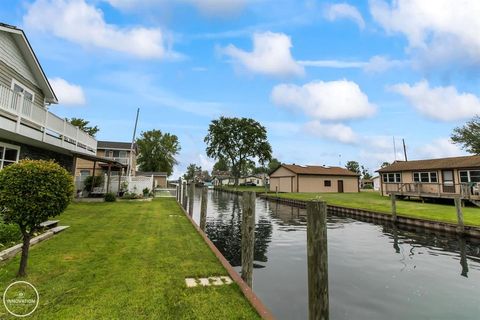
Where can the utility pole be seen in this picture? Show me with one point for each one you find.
(404, 150)
(132, 145)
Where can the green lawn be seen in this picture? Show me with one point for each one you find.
(375, 202)
(126, 260)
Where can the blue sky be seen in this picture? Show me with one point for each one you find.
(331, 81)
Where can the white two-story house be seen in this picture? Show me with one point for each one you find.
(27, 128)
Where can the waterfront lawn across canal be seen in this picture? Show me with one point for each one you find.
(126, 260)
(375, 202)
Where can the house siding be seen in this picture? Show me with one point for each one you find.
(284, 180)
(35, 153)
(7, 74)
(12, 56)
(314, 183)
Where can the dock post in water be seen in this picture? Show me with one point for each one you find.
(458, 207)
(317, 256)
(184, 194)
(203, 209)
(248, 236)
(394, 207)
(191, 196)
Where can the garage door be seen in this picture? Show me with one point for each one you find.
(285, 184)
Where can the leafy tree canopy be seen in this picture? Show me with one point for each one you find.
(157, 151)
(273, 164)
(221, 165)
(468, 136)
(32, 191)
(192, 172)
(353, 166)
(240, 140)
(385, 164)
(84, 125)
(366, 173)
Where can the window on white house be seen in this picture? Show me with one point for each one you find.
(21, 89)
(426, 177)
(327, 183)
(9, 154)
(392, 177)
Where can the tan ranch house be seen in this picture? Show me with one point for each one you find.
(297, 178)
(433, 178)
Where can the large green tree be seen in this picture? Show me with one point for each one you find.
(240, 140)
(157, 151)
(353, 166)
(468, 136)
(84, 125)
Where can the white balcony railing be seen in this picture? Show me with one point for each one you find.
(122, 160)
(37, 122)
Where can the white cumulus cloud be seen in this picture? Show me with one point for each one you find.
(270, 55)
(439, 148)
(334, 100)
(440, 103)
(441, 29)
(83, 23)
(334, 131)
(344, 11)
(208, 7)
(67, 93)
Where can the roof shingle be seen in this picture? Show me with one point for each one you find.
(319, 170)
(441, 163)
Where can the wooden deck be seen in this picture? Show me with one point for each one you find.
(436, 191)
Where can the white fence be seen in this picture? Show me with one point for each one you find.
(127, 184)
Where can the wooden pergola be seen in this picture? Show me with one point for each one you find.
(109, 162)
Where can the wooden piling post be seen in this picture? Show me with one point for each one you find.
(458, 207)
(317, 256)
(191, 196)
(394, 207)
(248, 236)
(203, 209)
(184, 194)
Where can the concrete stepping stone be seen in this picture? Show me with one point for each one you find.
(206, 282)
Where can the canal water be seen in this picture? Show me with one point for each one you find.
(376, 271)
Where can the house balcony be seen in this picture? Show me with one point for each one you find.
(23, 117)
(122, 160)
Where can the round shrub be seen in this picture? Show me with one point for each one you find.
(31, 191)
(110, 197)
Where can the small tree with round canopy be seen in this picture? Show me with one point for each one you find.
(31, 191)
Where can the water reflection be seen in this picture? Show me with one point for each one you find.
(225, 232)
(376, 270)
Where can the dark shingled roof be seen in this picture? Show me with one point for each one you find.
(114, 145)
(442, 163)
(319, 170)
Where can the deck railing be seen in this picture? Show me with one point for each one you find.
(122, 160)
(53, 129)
(464, 190)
